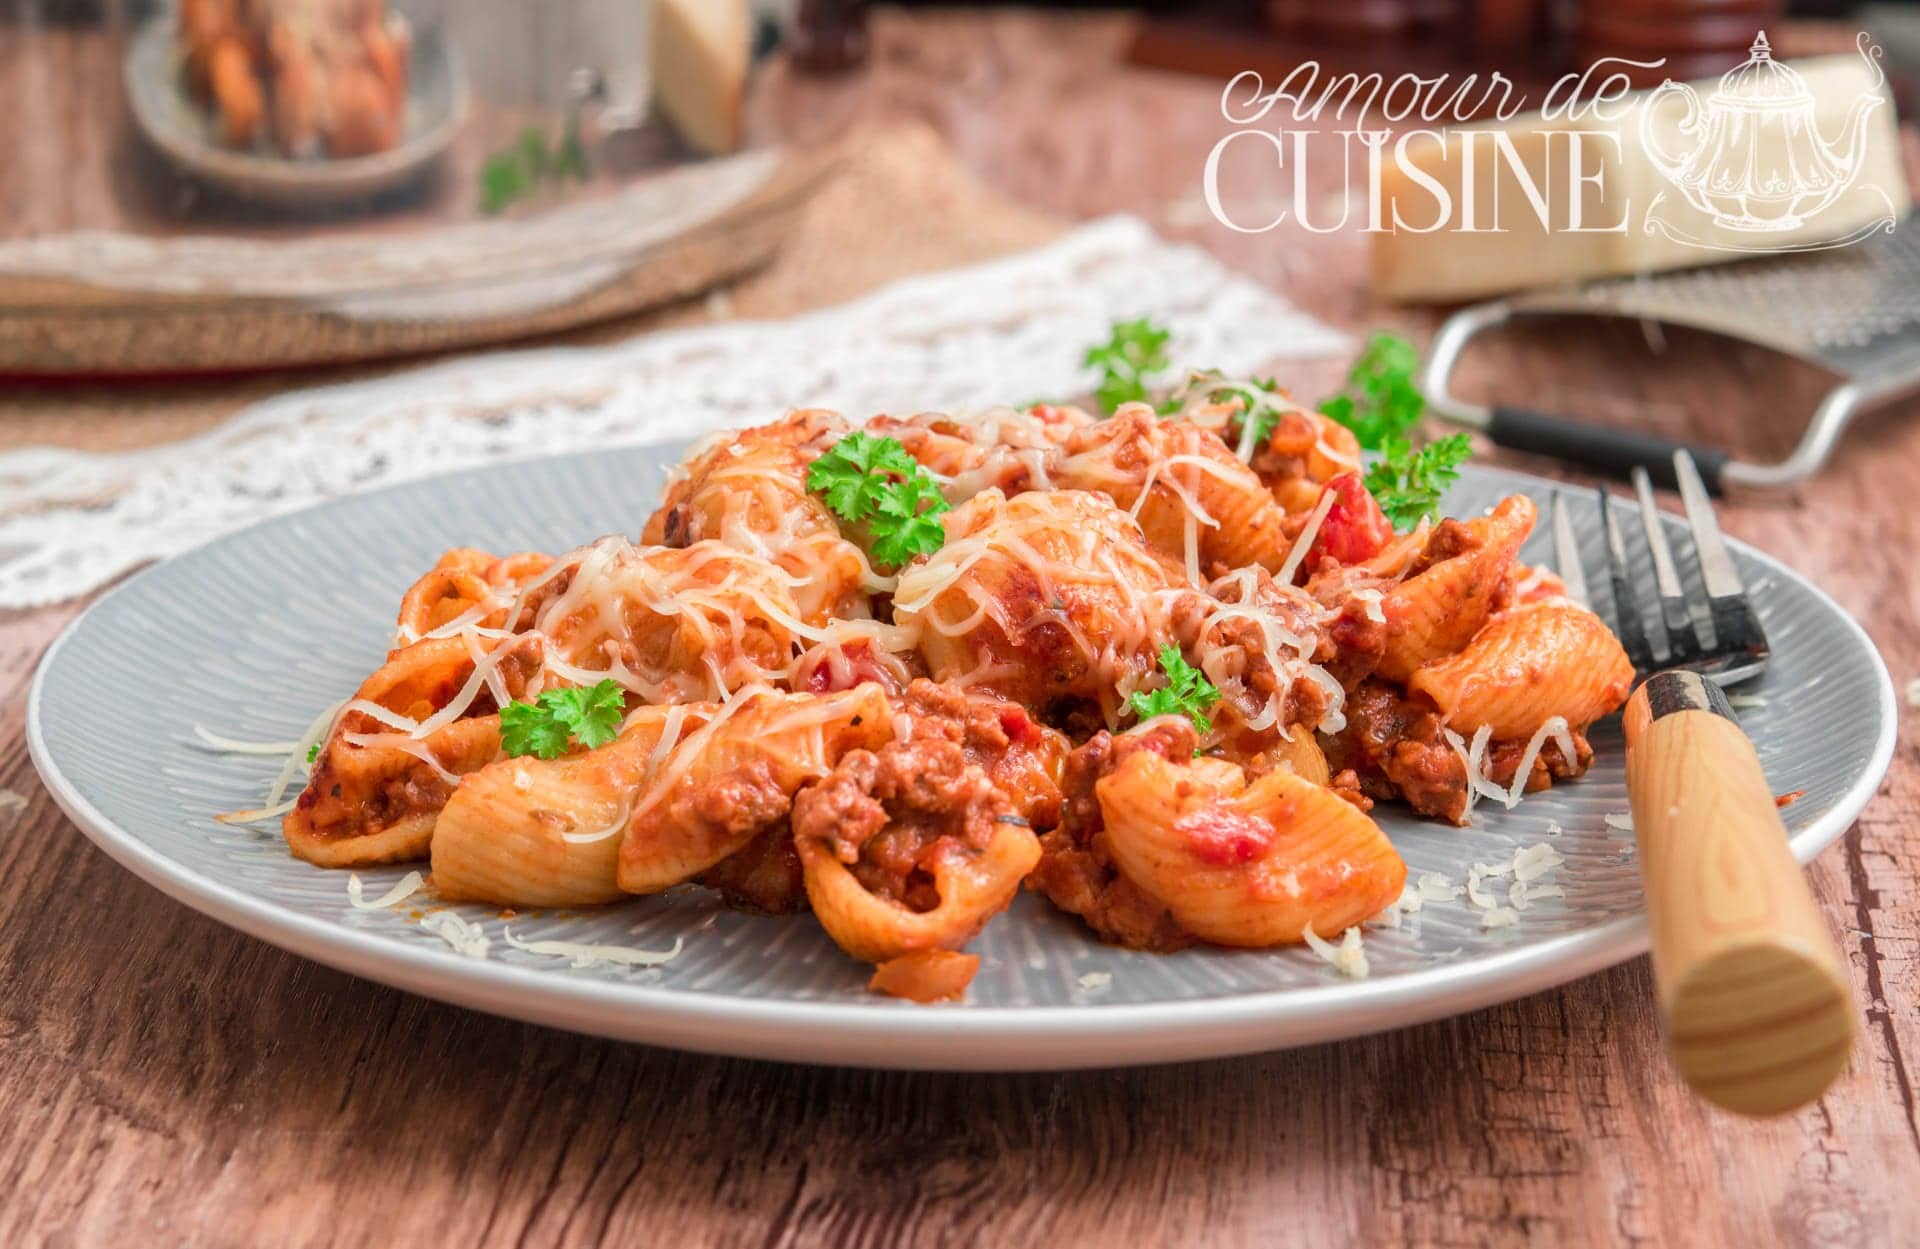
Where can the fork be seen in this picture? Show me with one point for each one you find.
(1753, 992)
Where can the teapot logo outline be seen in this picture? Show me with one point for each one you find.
(1727, 176)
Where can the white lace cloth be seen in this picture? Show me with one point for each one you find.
(1012, 330)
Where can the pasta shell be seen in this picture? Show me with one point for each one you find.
(1436, 612)
(727, 783)
(749, 491)
(973, 886)
(375, 800)
(1042, 596)
(503, 836)
(1246, 865)
(1195, 500)
(1530, 663)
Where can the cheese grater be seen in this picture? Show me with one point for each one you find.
(1852, 310)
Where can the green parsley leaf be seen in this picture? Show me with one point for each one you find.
(503, 179)
(313, 752)
(869, 479)
(1132, 352)
(1380, 402)
(530, 729)
(548, 725)
(1408, 483)
(531, 162)
(1186, 693)
(593, 712)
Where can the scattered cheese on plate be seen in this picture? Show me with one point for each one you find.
(1348, 958)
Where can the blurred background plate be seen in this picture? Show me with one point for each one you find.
(537, 168)
(185, 132)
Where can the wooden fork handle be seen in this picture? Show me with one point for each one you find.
(1753, 991)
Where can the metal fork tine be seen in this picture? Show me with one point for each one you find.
(1716, 566)
(1566, 554)
(1626, 609)
(1683, 641)
(1739, 642)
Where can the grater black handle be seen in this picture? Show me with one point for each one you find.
(1602, 448)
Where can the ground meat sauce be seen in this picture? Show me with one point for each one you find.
(1352, 643)
(763, 876)
(1076, 869)
(890, 815)
(1022, 757)
(1283, 456)
(1394, 747)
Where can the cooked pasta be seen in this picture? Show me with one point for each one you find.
(736, 776)
(1528, 664)
(748, 490)
(1042, 597)
(1194, 499)
(547, 832)
(1157, 670)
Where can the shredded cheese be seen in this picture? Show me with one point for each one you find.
(258, 814)
(1095, 981)
(234, 746)
(1521, 895)
(1535, 861)
(583, 955)
(1348, 958)
(1304, 543)
(1554, 727)
(466, 938)
(402, 889)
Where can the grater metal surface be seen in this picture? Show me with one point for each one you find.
(1854, 311)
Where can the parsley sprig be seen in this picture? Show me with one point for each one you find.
(1133, 352)
(1382, 406)
(1408, 483)
(1186, 693)
(519, 170)
(549, 725)
(1380, 402)
(869, 479)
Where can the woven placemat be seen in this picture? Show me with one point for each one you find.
(899, 204)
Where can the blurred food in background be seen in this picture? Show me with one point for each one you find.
(317, 77)
(222, 184)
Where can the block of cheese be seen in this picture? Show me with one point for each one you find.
(1630, 210)
(701, 50)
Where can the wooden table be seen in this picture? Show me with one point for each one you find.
(163, 1081)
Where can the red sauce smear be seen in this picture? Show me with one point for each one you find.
(1787, 800)
(1226, 838)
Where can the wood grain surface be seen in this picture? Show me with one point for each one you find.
(164, 1081)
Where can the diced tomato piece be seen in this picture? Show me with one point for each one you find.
(1355, 528)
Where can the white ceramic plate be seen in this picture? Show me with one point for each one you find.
(253, 634)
